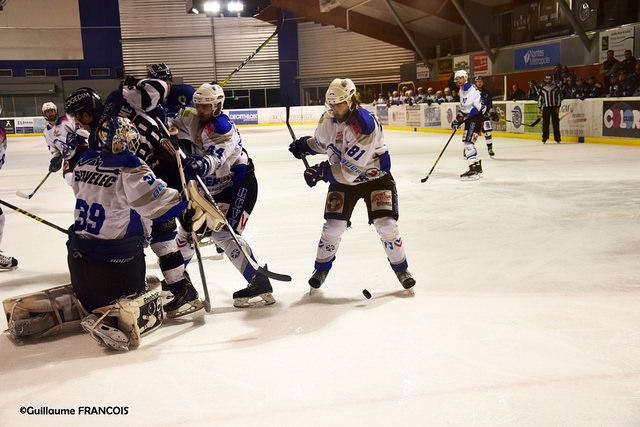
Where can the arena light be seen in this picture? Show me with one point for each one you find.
(194, 10)
(212, 7)
(235, 6)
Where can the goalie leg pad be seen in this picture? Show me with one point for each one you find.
(121, 325)
(44, 313)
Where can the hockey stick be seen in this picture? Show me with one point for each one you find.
(234, 236)
(32, 216)
(293, 135)
(254, 53)
(24, 196)
(441, 153)
(535, 122)
(196, 245)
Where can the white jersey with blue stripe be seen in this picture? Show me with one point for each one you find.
(356, 149)
(113, 192)
(219, 143)
(61, 138)
(470, 100)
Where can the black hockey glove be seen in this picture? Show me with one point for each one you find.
(316, 173)
(300, 148)
(186, 219)
(458, 122)
(55, 164)
(195, 166)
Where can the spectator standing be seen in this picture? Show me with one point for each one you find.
(549, 102)
(569, 88)
(533, 91)
(628, 64)
(608, 68)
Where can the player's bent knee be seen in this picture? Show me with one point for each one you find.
(333, 229)
(387, 228)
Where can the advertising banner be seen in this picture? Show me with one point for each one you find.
(618, 40)
(432, 116)
(515, 115)
(397, 115)
(414, 115)
(244, 117)
(531, 113)
(481, 65)
(540, 56)
(445, 68)
(501, 109)
(573, 120)
(382, 113)
(448, 112)
(24, 125)
(422, 71)
(621, 118)
(9, 125)
(462, 63)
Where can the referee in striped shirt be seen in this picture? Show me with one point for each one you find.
(549, 101)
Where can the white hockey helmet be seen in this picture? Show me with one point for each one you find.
(211, 94)
(49, 106)
(340, 90)
(461, 73)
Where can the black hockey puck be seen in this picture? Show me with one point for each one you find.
(366, 294)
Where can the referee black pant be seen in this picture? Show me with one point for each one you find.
(553, 113)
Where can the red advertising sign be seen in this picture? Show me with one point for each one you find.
(481, 65)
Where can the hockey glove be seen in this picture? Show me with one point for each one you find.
(316, 173)
(55, 164)
(458, 122)
(186, 219)
(300, 148)
(196, 166)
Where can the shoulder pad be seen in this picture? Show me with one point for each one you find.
(220, 124)
(363, 122)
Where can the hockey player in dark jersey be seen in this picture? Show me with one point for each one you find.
(487, 100)
(6, 262)
(179, 96)
(86, 107)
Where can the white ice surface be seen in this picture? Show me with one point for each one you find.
(526, 311)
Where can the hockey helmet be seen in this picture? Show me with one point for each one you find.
(461, 73)
(160, 71)
(340, 90)
(83, 100)
(211, 94)
(118, 134)
(47, 106)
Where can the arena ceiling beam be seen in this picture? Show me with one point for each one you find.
(358, 23)
(440, 8)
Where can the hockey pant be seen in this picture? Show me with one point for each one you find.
(387, 229)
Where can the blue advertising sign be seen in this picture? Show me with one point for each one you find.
(244, 117)
(540, 56)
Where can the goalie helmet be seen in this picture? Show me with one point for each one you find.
(211, 94)
(461, 73)
(340, 90)
(159, 71)
(118, 134)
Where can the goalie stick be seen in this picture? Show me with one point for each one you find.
(25, 196)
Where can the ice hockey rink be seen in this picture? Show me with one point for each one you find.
(526, 309)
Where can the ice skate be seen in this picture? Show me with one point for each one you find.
(260, 287)
(317, 278)
(105, 332)
(490, 150)
(474, 173)
(7, 262)
(406, 279)
(185, 299)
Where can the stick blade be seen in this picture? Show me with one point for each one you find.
(424, 179)
(21, 194)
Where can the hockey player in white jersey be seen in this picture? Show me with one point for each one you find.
(471, 114)
(62, 141)
(358, 167)
(219, 158)
(6, 262)
(85, 105)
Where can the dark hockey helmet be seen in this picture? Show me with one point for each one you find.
(159, 71)
(118, 134)
(83, 100)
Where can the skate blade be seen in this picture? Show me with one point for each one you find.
(264, 299)
(185, 309)
(470, 178)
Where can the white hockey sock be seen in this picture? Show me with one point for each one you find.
(329, 242)
(387, 229)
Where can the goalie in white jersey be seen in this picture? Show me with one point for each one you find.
(62, 140)
(472, 115)
(359, 167)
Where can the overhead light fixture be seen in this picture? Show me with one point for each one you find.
(212, 7)
(235, 6)
(195, 10)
